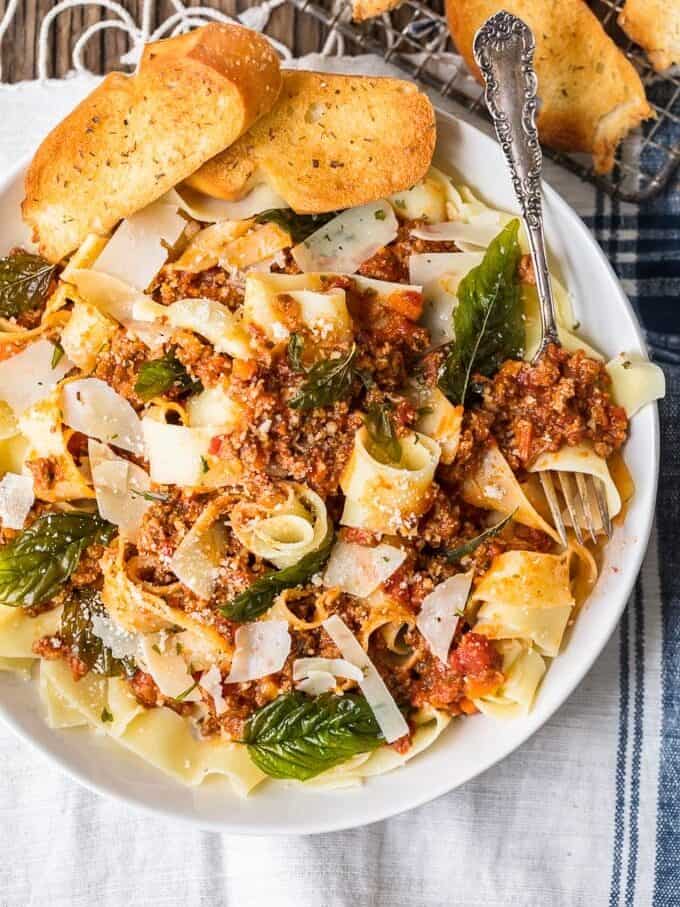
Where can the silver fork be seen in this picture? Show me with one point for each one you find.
(504, 52)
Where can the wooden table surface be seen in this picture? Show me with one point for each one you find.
(20, 44)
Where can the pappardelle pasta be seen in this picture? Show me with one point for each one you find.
(270, 504)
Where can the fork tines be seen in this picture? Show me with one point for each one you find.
(585, 500)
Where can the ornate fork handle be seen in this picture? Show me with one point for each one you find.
(504, 51)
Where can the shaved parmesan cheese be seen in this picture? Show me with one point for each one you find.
(168, 669)
(110, 295)
(424, 201)
(316, 683)
(119, 486)
(176, 454)
(16, 500)
(426, 267)
(213, 406)
(29, 377)
(261, 649)
(338, 667)
(359, 570)
(441, 273)
(635, 382)
(138, 249)
(92, 407)
(387, 714)
(347, 241)
(440, 612)
(475, 234)
(122, 643)
(196, 560)
(211, 681)
(210, 210)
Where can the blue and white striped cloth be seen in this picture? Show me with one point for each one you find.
(586, 813)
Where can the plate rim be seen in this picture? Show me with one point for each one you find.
(408, 800)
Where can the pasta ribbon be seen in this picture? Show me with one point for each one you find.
(494, 486)
(523, 669)
(283, 529)
(526, 595)
(47, 440)
(279, 304)
(382, 497)
(158, 736)
(139, 608)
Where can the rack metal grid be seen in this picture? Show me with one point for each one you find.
(415, 36)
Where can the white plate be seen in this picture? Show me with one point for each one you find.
(468, 746)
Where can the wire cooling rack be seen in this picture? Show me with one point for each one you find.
(415, 38)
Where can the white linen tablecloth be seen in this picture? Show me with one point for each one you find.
(568, 819)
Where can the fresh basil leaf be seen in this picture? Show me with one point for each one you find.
(298, 737)
(488, 320)
(158, 376)
(24, 281)
(455, 554)
(296, 346)
(299, 226)
(327, 382)
(382, 431)
(259, 597)
(77, 631)
(37, 562)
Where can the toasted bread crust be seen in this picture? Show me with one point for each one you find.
(591, 95)
(655, 26)
(135, 137)
(331, 141)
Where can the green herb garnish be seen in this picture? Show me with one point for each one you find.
(37, 562)
(299, 226)
(106, 716)
(380, 214)
(24, 281)
(327, 382)
(455, 554)
(488, 319)
(298, 737)
(182, 696)
(76, 629)
(296, 345)
(382, 431)
(158, 376)
(57, 355)
(155, 496)
(259, 597)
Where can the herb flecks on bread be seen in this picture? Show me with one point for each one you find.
(135, 137)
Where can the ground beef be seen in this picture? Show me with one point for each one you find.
(563, 399)
(119, 364)
(277, 441)
(214, 283)
(200, 359)
(391, 262)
